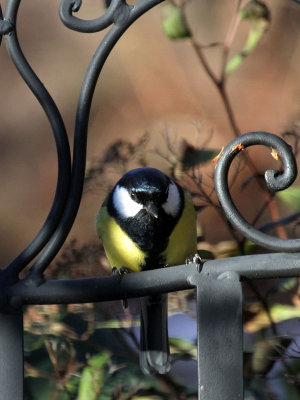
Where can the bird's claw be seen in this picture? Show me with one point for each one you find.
(115, 271)
(195, 259)
(123, 271)
(120, 273)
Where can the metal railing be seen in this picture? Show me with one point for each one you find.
(218, 283)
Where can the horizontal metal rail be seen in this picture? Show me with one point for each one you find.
(261, 266)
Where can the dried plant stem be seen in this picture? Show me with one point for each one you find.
(224, 96)
(220, 84)
(229, 39)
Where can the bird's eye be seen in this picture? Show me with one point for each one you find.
(133, 195)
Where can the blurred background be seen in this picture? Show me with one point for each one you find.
(157, 95)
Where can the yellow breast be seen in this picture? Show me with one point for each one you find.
(120, 250)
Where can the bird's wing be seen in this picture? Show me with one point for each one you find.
(183, 239)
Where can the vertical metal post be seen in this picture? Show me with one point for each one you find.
(11, 356)
(220, 337)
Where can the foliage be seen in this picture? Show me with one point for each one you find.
(68, 357)
(291, 197)
(174, 24)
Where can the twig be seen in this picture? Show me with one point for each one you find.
(283, 221)
(220, 85)
(229, 39)
(265, 305)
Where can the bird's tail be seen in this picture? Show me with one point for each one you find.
(154, 341)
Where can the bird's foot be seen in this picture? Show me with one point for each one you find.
(123, 271)
(195, 259)
(120, 273)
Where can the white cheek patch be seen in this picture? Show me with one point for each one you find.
(173, 202)
(123, 203)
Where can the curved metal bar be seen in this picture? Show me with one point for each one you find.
(122, 23)
(181, 277)
(117, 12)
(141, 7)
(67, 7)
(275, 180)
(5, 26)
(61, 139)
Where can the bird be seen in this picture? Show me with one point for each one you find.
(148, 221)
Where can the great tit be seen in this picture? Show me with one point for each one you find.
(148, 221)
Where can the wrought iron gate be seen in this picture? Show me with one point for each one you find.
(218, 283)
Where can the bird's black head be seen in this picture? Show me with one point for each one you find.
(147, 191)
(147, 204)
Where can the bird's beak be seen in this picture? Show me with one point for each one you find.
(152, 209)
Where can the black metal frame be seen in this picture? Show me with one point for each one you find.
(218, 283)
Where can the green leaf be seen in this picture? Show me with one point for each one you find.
(115, 324)
(92, 377)
(128, 377)
(142, 398)
(282, 312)
(267, 352)
(257, 30)
(33, 342)
(234, 63)
(258, 16)
(255, 34)
(174, 24)
(283, 285)
(179, 345)
(206, 254)
(254, 10)
(71, 386)
(291, 196)
(249, 247)
(191, 156)
(278, 313)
